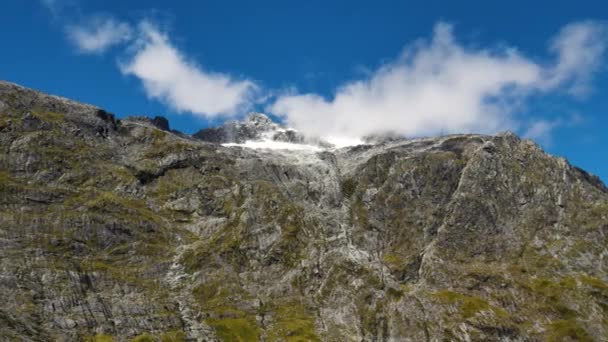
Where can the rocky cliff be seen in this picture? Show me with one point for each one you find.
(124, 230)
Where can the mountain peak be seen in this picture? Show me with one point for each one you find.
(260, 119)
(256, 127)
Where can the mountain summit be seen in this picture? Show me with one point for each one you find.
(255, 126)
(258, 128)
(125, 230)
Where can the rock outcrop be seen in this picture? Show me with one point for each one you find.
(121, 229)
(256, 126)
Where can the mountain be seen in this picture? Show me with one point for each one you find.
(255, 126)
(125, 230)
(259, 128)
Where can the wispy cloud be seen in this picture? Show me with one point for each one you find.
(54, 6)
(439, 87)
(167, 75)
(542, 130)
(90, 34)
(62, 10)
(98, 33)
(579, 47)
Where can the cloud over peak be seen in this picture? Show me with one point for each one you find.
(439, 86)
(168, 76)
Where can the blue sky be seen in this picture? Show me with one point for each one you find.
(329, 68)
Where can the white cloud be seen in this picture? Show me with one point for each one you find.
(579, 47)
(440, 87)
(168, 76)
(98, 33)
(542, 130)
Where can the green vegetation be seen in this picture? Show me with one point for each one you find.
(534, 295)
(106, 176)
(348, 187)
(468, 306)
(158, 136)
(274, 207)
(169, 336)
(293, 324)
(100, 338)
(289, 247)
(162, 144)
(567, 330)
(144, 338)
(48, 116)
(595, 283)
(235, 329)
(391, 259)
(109, 203)
(225, 242)
(121, 273)
(6, 180)
(394, 293)
(5, 121)
(173, 336)
(173, 182)
(359, 214)
(194, 256)
(52, 151)
(229, 242)
(589, 216)
(220, 298)
(550, 289)
(551, 297)
(371, 313)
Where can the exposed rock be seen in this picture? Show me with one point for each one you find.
(161, 122)
(256, 126)
(158, 121)
(132, 231)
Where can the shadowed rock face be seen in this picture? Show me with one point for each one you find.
(122, 229)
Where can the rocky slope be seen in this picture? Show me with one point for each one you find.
(121, 229)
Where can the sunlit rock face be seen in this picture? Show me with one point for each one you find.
(256, 126)
(258, 131)
(121, 229)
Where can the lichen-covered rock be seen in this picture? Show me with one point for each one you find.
(118, 230)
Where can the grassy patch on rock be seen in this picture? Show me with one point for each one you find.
(468, 306)
(237, 329)
(293, 323)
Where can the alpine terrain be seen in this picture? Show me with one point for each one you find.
(124, 230)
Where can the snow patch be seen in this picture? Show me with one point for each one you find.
(275, 145)
(340, 142)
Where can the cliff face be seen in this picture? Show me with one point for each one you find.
(122, 229)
